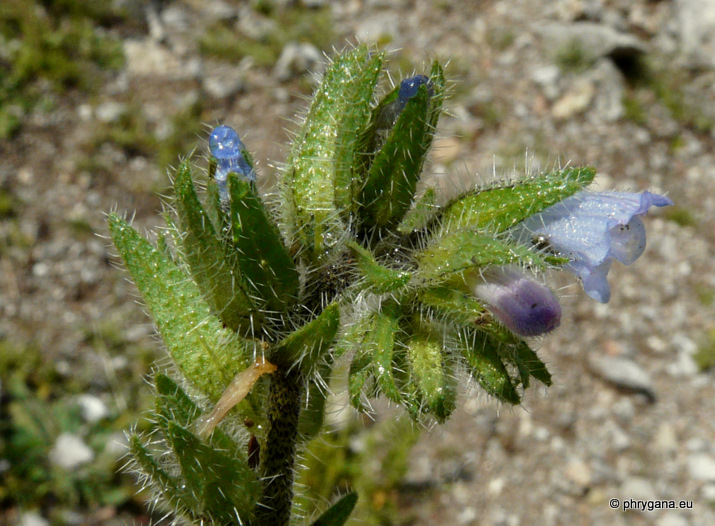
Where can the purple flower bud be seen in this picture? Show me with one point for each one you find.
(591, 230)
(230, 154)
(526, 308)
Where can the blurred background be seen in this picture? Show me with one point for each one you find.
(97, 101)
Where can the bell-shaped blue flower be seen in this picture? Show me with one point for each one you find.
(230, 154)
(524, 306)
(591, 230)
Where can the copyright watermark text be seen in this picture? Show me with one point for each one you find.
(650, 505)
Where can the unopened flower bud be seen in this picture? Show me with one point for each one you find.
(524, 306)
(230, 154)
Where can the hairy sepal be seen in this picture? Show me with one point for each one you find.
(372, 364)
(265, 263)
(377, 278)
(485, 365)
(202, 491)
(392, 178)
(501, 207)
(206, 353)
(210, 264)
(454, 253)
(319, 181)
(434, 375)
(310, 344)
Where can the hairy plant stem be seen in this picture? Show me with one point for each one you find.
(278, 452)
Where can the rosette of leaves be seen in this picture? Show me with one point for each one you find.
(346, 264)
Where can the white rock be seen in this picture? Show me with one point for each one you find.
(701, 466)
(622, 373)
(578, 472)
(223, 82)
(296, 59)
(665, 440)
(575, 100)
(384, 26)
(608, 104)
(683, 366)
(32, 518)
(547, 78)
(637, 488)
(110, 111)
(672, 519)
(70, 452)
(149, 58)
(592, 39)
(709, 492)
(696, 20)
(92, 407)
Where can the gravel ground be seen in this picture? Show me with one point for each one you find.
(536, 83)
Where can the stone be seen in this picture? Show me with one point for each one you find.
(92, 407)
(592, 39)
(696, 29)
(623, 373)
(575, 100)
(672, 518)
(297, 59)
(32, 518)
(665, 440)
(224, 82)
(110, 111)
(547, 78)
(701, 466)
(385, 26)
(148, 58)
(637, 488)
(578, 472)
(70, 452)
(610, 86)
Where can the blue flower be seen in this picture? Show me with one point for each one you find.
(230, 154)
(591, 230)
(409, 87)
(525, 307)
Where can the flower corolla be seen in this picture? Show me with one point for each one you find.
(592, 229)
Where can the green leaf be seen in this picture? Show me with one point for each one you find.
(528, 363)
(484, 363)
(206, 353)
(148, 464)
(421, 213)
(172, 402)
(338, 513)
(453, 303)
(174, 405)
(310, 344)
(373, 359)
(226, 488)
(381, 344)
(465, 249)
(430, 370)
(378, 279)
(499, 208)
(208, 260)
(310, 421)
(264, 261)
(319, 182)
(391, 182)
